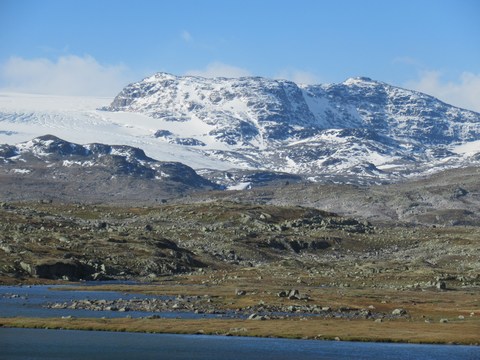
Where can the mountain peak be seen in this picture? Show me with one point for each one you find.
(360, 81)
(159, 76)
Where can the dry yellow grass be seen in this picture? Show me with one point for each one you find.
(464, 332)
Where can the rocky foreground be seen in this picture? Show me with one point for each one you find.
(233, 262)
(78, 242)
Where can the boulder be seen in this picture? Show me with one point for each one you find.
(256, 317)
(294, 294)
(399, 312)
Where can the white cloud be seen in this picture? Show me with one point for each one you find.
(186, 36)
(464, 92)
(218, 69)
(68, 75)
(298, 76)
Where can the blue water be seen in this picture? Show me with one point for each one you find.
(64, 344)
(61, 344)
(31, 302)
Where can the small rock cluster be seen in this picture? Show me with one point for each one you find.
(292, 295)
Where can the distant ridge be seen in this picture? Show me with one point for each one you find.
(360, 131)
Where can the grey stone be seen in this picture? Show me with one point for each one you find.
(256, 317)
(294, 294)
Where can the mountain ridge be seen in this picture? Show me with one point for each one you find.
(359, 127)
(360, 131)
(49, 167)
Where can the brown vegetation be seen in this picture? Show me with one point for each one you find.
(465, 332)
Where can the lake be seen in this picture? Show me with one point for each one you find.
(31, 301)
(69, 344)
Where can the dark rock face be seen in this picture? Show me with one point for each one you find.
(53, 145)
(181, 173)
(7, 151)
(189, 142)
(296, 246)
(175, 139)
(250, 178)
(163, 133)
(62, 269)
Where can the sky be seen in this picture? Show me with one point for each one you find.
(93, 47)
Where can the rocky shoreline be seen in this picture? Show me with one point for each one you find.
(205, 305)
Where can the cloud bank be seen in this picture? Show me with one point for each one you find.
(68, 75)
(298, 76)
(186, 36)
(219, 69)
(464, 92)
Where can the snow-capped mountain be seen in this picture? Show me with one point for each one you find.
(357, 128)
(49, 165)
(360, 130)
(78, 120)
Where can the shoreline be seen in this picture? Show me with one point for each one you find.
(428, 316)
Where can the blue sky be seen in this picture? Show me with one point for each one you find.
(96, 47)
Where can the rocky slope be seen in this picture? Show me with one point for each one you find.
(85, 242)
(358, 130)
(102, 242)
(447, 198)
